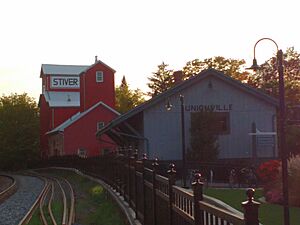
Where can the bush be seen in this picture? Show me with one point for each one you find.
(294, 180)
(97, 193)
(270, 173)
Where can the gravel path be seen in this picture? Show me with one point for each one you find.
(15, 208)
(5, 182)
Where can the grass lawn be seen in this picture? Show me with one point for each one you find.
(269, 214)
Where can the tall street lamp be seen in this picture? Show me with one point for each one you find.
(281, 129)
(169, 106)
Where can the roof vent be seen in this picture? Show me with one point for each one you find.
(96, 59)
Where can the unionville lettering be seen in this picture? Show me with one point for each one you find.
(225, 107)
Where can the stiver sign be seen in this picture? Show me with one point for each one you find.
(65, 82)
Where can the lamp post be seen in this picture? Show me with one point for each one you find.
(281, 130)
(169, 106)
(183, 141)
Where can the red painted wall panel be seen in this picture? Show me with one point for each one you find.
(92, 92)
(82, 133)
(61, 114)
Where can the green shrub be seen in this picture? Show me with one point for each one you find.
(97, 193)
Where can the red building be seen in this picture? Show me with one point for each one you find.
(76, 101)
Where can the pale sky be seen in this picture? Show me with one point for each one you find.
(135, 36)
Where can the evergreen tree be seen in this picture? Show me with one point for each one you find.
(161, 80)
(127, 99)
(203, 138)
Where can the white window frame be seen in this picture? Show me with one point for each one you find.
(100, 125)
(99, 76)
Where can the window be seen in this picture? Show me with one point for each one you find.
(82, 153)
(218, 122)
(105, 151)
(100, 125)
(99, 76)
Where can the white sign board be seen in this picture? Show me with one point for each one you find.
(65, 82)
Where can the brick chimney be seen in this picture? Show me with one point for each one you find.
(178, 76)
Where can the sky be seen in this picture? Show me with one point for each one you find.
(135, 36)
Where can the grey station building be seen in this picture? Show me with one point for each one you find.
(247, 119)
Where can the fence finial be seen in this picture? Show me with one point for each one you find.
(144, 156)
(155, 163)
(135, 154)
(172, 169)
(251, 208)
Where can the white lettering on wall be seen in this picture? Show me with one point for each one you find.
(65, 82)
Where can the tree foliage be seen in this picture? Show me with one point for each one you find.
(203, 138)
(161, 80)
(127, 99)
(266, 78)
(230, 67)
(19, 131)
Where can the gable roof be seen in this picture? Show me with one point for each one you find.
(185, 84)
(78, 116)
(98, 62)
(62, 99)
(53, 69)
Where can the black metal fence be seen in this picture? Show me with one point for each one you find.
(156, 199)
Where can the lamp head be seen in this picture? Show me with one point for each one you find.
(254, 66)
(169, 105)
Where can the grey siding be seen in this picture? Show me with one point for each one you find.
(163, 128)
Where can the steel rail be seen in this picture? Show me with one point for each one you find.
(10, 190)
(65, 211)
(50, 205)
(72, 204)
(29, 214)
(41, 204)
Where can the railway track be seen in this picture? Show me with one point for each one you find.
(56, 188)
(8, 187)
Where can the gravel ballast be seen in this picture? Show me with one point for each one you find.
(15, 208)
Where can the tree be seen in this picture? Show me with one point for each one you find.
(203, 138)
(161, 80)
(266, 78)
(19, 131)
(230, 67)
(127, 99)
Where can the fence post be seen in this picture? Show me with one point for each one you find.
(250, 209)
(198, 196)
(135, 155)
(143, 182)
(114, 173)
(154, 165)
(172, 176)
(128, 177)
